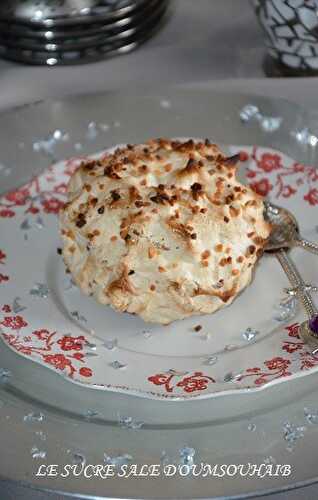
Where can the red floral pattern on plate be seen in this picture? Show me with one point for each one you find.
(279, 366)
(274, 368)
(270, 162)
(45, 345)
(44, 193)
(312, 196)
(285, 179)
(6, 213)
(13, 322)
(191, 383)
(69, 343)
(262, 187)
(2, 257)
(3, 277)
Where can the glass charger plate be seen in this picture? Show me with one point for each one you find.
(46, 419)
(46, 319)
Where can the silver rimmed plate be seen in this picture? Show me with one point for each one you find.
(84, 40)
(80, 30)
(65, 14)
(86, 54)
(43, 415)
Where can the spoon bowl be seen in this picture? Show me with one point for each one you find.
(285, 231)
(284, 227)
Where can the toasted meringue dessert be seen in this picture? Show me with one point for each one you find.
(162, 229)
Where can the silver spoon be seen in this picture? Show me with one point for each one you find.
(285, 232)
(277, 245)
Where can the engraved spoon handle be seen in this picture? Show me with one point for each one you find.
(307, 245)
(297, 281)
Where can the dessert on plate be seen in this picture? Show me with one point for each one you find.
(162, 229)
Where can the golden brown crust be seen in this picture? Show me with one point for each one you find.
(162, 229)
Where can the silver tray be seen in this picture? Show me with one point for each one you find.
(231, 429)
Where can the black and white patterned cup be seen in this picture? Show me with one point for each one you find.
(291, 36)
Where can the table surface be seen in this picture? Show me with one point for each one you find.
(197, 47)
(198, 43)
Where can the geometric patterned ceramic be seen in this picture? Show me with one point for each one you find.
(291, 33)
(249, 345)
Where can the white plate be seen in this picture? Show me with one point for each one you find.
(243, 428)
(249, 345)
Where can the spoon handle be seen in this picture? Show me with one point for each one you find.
(297, 282)
(307, 245)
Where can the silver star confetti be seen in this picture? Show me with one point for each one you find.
(117, 461)
(77, 458)
(16, 306)
(250, 334)
(187, 455)
(211, 360)
(78, 316)
(59, 135)
(92, 131)
(41, 435)
(5, 170)
(36, 453)
(25, 225)
(305, 137)
(91, 414)
(251, 427)
(165, 104)
(292, 433)
(40, 290)
(267, 123)
(117, 365)
(232, 377)
(129, 422)
(46, 146)
(34, 417)
(230, 347)
(311, 416)
(111, 344)
(286, 309)
(248, 112)
(91, 346)
(5, 375)
(146, 334)
(270, 123)
(39, 223)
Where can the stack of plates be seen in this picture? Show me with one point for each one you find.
(75, 31)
